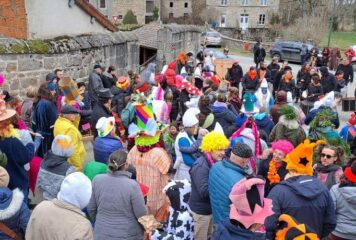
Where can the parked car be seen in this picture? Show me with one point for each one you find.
(290, 51)
(219, 54)
(211, 39)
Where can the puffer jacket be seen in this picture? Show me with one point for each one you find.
(52, 172)
(228, 231)
(171, 74)
(104, 146)
(65, 127)
(344, 199)
(226, 118)
(328, 80)
(14, 213)
(222, 177)
(307, 193)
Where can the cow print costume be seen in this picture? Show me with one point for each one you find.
(180, 224)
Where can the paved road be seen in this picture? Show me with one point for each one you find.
(246, 62)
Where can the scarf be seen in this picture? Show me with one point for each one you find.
(252, 74)
(330, 170)
(258, 148)
(272, 173)
(209, 159)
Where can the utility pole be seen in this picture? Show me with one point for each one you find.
(331, 22)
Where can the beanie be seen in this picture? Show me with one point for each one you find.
(62, 146)
(242, 150)
(76, 190)
(4, 178)
(190, 117)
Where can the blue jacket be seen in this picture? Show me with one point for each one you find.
(14, 213)
(312, 114)
(222, 177)
(307, 200)
(225, 117)
(345, 133)
(228, 231)
(264, 123)
(199, 201)
(17, 156)
(104, 146)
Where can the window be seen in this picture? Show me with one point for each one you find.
(186, 5)
(244, 2)
(262, 19)
(223, 2)
(263, 2)
(171, 15)
(223, 21)
(171, 4)
(102, 4)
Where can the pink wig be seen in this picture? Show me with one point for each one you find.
(283, 145)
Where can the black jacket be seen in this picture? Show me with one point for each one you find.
(328, 80)
(348, 72)
(287, 87)
(99, 110)
(267, 75)
(307, 200)
(249, 84)
(273, 68)
(118, 99)
(259, 55)
(303, 80)
(314, 92)
(235, 73)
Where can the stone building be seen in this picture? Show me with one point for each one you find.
(242, 14)
(35, 19)
(176, 8)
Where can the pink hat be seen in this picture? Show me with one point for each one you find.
(248, 204)
(283, 145)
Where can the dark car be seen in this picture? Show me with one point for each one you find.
(290, 51)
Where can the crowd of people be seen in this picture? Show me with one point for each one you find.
(180, 153)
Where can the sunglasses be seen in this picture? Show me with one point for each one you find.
(326, 155)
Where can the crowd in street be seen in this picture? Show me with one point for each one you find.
(181, 153)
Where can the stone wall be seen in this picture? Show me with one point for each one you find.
(180, 7)
(26, 63)
(173, 39)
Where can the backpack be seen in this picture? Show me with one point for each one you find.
(128, 115)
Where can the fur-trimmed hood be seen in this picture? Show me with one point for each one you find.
(291, 124)
(10, 202)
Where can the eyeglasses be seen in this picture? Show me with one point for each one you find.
(326, 155)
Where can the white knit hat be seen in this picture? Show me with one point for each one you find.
(105, 126)
(190, 117)
(76, 190)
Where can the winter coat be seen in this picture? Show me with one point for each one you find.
(226, 118)
(249, 84)
(289, 130)
(274, 68)
(26, 111)
(171, 74)
(314, 92)
(99, 111)
(108, 79)
(307, 200)
(328, 80)
(116, 201)
(226, 230)
(67, 221)
(235, 74)
(14, 212)
(64, 126)
(259, 55)
(303, 79)
(346, 135)
(344, 199)
(193, 149)
(348, 72)
(43, 118)
(149, 74)
(184, 160)
(52, 172)
(199, 201)
(287, 86)
(267, 74)
(95, 84)
(312, 114)
(263, 171)
(264, 123)
(152, 170)
(222, 177)
(104, 146)
(17, 156)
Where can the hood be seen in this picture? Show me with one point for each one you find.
(10, 202)
(151, 67)
(290, 124)
(324, 71)
(263, 123)
(178, 193)
(349, 194)
(281, 97)
(76, 190)
(305, 186)
(260, 116)
(236, 232)
(51, 160)
(219, 111)
(172, 65)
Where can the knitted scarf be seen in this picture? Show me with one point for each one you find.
(258, 147)
(330, 170)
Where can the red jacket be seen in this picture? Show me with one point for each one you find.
(171, 73)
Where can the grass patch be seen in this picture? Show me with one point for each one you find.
(342, 40)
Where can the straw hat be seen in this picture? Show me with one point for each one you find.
(5, 113)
